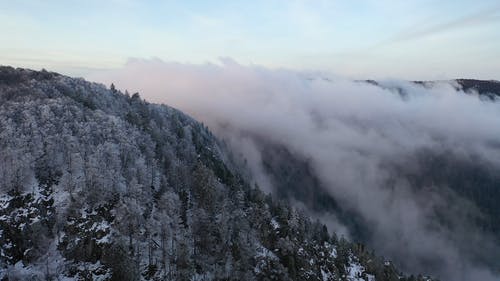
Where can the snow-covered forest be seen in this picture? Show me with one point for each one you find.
(96, 184)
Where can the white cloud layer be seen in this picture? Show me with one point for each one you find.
(350, 132)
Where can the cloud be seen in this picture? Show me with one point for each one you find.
(482, 17)
(352, 134)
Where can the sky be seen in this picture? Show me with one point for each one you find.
(414, 39)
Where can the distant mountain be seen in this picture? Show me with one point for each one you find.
(100, 185)
(487, 88)
(483, 87)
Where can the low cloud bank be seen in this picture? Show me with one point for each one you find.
(351, 133)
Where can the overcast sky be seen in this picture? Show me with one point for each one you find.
(414, 39)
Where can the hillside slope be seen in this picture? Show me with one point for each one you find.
(100, 185)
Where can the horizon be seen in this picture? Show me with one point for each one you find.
(414, 40)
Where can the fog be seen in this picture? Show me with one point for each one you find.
(351, 133)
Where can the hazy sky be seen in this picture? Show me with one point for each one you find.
(413, 39)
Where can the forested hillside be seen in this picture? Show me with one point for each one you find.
(100, 185)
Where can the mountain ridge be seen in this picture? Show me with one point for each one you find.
(100, 185)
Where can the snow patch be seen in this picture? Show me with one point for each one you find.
(275, 224)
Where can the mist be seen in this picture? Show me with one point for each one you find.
(353, 134)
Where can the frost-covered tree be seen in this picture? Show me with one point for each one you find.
(98, 185)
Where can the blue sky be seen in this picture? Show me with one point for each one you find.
(414, 39)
